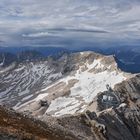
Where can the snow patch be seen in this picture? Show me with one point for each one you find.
(90, 84)
(63, 105)
(96, 64)
(41, 96)
(87, 87)
(27, 97)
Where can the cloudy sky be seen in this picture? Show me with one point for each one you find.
(69, 23)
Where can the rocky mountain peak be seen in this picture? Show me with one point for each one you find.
(82, 76)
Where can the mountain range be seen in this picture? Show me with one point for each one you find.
(77, 96)
(126, 57)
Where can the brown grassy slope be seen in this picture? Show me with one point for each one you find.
(19, 126)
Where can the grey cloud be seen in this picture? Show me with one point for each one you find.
(95, 20)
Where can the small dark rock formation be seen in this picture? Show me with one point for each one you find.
(44, 103)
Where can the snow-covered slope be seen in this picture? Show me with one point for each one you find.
(73, 92)
(20, 84)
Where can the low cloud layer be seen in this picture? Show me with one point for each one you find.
(63, 22)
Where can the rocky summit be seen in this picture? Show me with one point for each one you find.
(78, 96)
